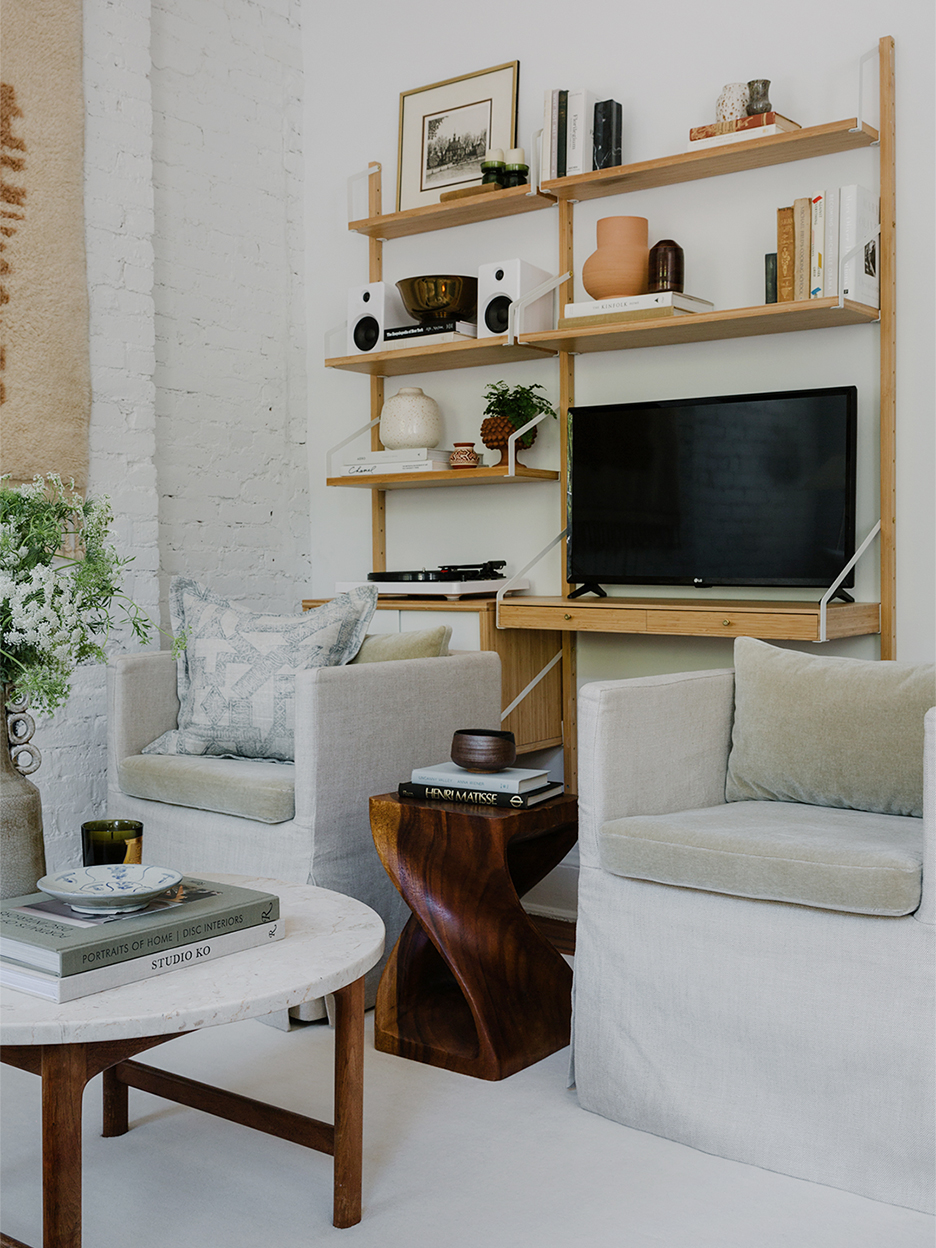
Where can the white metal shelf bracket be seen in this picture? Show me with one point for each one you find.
(873, 55)
(824, 601)
(531, 686)
(362, 175)
(357, 433)
(512, 442)
(515, 311)
(508, 584)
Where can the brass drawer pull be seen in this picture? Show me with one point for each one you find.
(567, 617)
(727, 623)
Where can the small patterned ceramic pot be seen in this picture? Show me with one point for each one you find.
(464, 456)
(733, 101)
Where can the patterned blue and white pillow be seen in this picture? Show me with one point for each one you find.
(236, 677)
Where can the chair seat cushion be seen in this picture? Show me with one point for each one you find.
(247, 787)
(852, 860)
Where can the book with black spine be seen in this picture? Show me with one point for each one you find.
(197, 909)
(479, 797)
(62, 988)
(561, 133)
(444, 325)
(608, 138)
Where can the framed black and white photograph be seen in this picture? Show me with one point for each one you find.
(446, 128)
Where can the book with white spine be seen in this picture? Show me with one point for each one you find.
(736, 136)
(859, 212)
(580, 132)
(817, 247)
(507, 780)
(404, 455)
(405, 465)
(634, 303)
(830, 279)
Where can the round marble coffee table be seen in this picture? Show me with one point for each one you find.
(330, 942)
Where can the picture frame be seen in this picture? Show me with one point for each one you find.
(446, 128)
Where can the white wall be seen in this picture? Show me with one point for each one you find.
(666, 65)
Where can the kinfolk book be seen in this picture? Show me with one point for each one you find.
(32, 933)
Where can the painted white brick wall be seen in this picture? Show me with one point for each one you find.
(193, 174)
(230, 371)
(119, 229)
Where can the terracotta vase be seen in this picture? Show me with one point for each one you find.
(619, 266)
(22, 850)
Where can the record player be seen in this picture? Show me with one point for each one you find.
(452, 580)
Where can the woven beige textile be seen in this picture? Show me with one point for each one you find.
(44, 368)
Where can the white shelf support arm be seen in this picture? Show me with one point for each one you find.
(337, 447)
(508, 584)
(531, 686)
(536, 147)
(515, 311)
(512, 442)
(868, 56)
(362, 175)
(824, 601)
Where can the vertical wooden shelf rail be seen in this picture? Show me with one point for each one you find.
(887, 129)
(375, 274)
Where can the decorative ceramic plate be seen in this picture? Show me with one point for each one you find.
(109, 889)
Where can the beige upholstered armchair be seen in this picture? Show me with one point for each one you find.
(359, 730)
(755, 950)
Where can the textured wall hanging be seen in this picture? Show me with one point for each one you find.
(45, 388)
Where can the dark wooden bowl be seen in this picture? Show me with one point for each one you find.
(483, 749)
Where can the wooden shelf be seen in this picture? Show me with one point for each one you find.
(431, 359)
(736, 617)
(712, 162)
(770, 318)
(509, 202)
(448, 476)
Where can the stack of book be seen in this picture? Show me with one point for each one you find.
(411, 459)
(631, 308)
(719, 133)
(438, 332)
(814, 235)
(580, 133)
(49, 950)
(517, 787)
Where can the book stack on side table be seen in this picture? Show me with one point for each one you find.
(516, 787)
(50, 950)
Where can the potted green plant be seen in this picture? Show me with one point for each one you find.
(60, 597)
(508, 409)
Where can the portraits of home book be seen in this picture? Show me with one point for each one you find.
(40, 932)
(61, 988)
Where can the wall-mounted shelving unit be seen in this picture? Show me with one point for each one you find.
(730, 617)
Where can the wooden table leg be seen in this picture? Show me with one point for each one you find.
(349, 1102)
(64, 1074)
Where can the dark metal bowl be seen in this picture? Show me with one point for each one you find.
(438, 295)
(483, 749)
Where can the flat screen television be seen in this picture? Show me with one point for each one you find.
(738, 489)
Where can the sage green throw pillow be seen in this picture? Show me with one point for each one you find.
(427, 643)
(828, 731)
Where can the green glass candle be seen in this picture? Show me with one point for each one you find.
(107, 841)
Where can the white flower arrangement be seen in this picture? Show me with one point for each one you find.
(59, 587)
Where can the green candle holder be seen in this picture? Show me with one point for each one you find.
(105, 842)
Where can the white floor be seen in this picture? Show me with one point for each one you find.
(449, 1162)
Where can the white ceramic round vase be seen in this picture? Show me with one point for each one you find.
(410, 418)
(733, 101)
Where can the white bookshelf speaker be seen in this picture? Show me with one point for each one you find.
(372, 309)
(499, 285)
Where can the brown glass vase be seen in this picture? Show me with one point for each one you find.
(619, 266)
(666, 266)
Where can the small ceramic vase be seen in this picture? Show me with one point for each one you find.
(464, 456)
(733, 101)
(760, 98)
(666, 266)
(619, 266)
(410, 419)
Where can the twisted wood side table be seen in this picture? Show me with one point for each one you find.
(471, 984)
